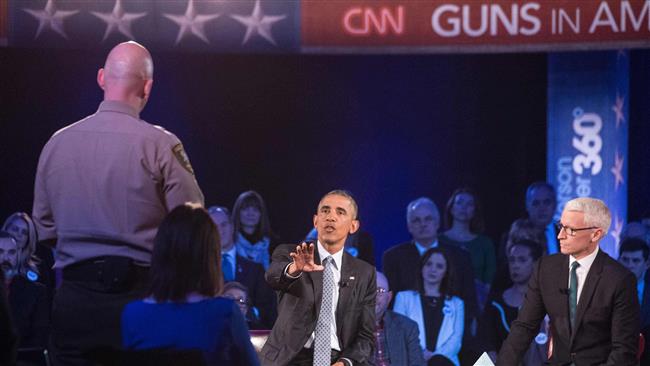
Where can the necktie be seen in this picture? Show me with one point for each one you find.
(322, 334)
(226, 268)
(573, 294)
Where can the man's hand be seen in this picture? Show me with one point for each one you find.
(340, 363)
(303, 260)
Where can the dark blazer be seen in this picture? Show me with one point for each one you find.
(607, 317)
(30, 309)
(401, 267)
(402, 340)
(299, 306)
(251, 275)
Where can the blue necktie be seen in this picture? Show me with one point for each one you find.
(573, 294)
(226, 268)
(323, 332)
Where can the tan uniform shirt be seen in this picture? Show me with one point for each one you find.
(105, 183)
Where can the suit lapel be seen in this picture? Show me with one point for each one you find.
(317, 281)
(563, 283)
(345, 291)
(593, 277)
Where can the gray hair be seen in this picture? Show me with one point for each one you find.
(596, 212)
(423, 201)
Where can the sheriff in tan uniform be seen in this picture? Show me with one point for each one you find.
(103, 186)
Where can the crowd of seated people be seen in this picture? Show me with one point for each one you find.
(448, 294)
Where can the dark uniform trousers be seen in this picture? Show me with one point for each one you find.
(87, 309)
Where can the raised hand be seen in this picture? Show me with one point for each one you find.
(303, 260)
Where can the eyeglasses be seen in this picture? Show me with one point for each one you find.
(571, 231)
(381, 290)
(239, 300)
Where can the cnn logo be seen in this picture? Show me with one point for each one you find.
(364, 21)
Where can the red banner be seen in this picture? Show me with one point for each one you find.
(474, 23)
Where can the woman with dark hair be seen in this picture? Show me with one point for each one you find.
(464, 221)
(438, 313)
(182, 310)
(253, 236)
(504, 307)
(35, 261)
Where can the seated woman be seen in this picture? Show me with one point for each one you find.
(464, 221)
(182, 310)
(439, 314)
(253, 236)
(503, 309)
(35, 259)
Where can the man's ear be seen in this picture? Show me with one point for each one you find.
(597, 234)
(354, 227)
(148, 85)
(100, 78)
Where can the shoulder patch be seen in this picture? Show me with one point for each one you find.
(180, 154)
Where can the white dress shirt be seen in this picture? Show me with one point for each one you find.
(583, 270)
(336, 269)
(422, 248)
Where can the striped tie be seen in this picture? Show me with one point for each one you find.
(323, 332)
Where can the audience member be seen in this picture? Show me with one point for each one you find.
(423, 220)
(397, 339)
(521, 229)
(248, 273)
(634, 256)
(253, 236)
(182, 310)
(239, 293)
(540, 205)
(326, 296)
(503, 308)
(27, 299)
(438, 313)
(35, 260)
(103, 186)
(359, 245)
(464, 220)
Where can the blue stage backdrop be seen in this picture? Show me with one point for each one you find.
(588, 97)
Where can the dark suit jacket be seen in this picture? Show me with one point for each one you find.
(402, 340)
(401, 267)
(607, 318)
(251, 275)
(299, 306)
(30, 311)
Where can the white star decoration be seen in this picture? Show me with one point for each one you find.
(191, 22)
(615, 232)
(258, 23)
(618, 109)
(118, 20)
(50, 17)
(617, 170)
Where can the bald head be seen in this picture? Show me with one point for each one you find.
(127, 75)
(382, 281)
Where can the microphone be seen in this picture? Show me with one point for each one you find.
(564, 291)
